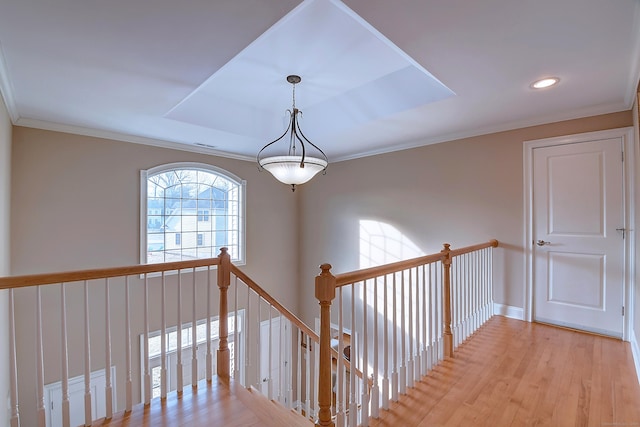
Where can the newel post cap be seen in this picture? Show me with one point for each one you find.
(325, 284)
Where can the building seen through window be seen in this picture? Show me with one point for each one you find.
(192, 210)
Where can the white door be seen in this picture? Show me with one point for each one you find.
(274, 358)
(578, 220)
(53, 399)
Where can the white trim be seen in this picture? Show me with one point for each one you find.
(508, 311)
(629, 212)
(118, 136)
(635, 351)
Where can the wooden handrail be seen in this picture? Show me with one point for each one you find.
(493, 243)
(287, 314)
(369, 273)
(12, 282)
(326, 285)
(268, 298)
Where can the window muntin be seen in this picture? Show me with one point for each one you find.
(190, 211)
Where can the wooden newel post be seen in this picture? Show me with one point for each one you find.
(446, 301)
(325, 293)
(224, 279)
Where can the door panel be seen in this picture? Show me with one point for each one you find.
(579, 256)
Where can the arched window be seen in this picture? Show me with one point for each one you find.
(190, 211)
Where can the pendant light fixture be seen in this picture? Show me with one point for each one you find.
(295, 167)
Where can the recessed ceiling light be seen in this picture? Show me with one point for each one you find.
(546, 82)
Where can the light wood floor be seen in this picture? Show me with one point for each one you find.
(215, 404)
(510, 373)
(513, 373)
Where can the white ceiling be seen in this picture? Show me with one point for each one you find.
(377, 75)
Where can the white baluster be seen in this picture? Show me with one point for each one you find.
(147, 373)
(425, 325)
(476, 292)
(434, 315)
(467, 294)
(410, 367)
(375, 391)
(314, 375)
(403, 344)
(352, 360)
(247, 341)
(280, 364)
(353, 404)
(13, 368)
(340, 397)
(108, 388)
(66, 416)
(385, 344)
(459, 278)
(485, 285)
(365, 359)
(416, 331)
(39, 361)
(259, 347)
(88, 417)
(440, 312)
(394, 351)
(269, 354)
(289, 329)
(298, 371)
(194, 333)
(307, 394)
(164, 380)
(490, 273)
(209, 368)
(179, 371)
(236, 345)
(127, 321)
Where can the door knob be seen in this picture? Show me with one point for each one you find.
(542, 243)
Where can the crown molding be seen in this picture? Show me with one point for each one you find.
(515, 125)
(116, 136)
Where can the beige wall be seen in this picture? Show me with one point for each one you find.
(461, 192)
(5, 194)
(75, 205)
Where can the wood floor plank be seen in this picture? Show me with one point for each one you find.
(509, 373)
(513, 373)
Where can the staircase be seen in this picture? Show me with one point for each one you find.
(218, 403)
(380, 330)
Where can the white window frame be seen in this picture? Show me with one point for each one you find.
(144, 175)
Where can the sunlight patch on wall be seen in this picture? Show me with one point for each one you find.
(382, 243)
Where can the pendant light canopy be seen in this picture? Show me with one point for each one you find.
(295, 167)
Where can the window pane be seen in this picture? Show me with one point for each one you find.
(190, 213)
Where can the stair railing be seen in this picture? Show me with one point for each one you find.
(411, 314)
(104, 310)
(79, 301)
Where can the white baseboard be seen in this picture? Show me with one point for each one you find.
(508, 311)
(635, 350)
